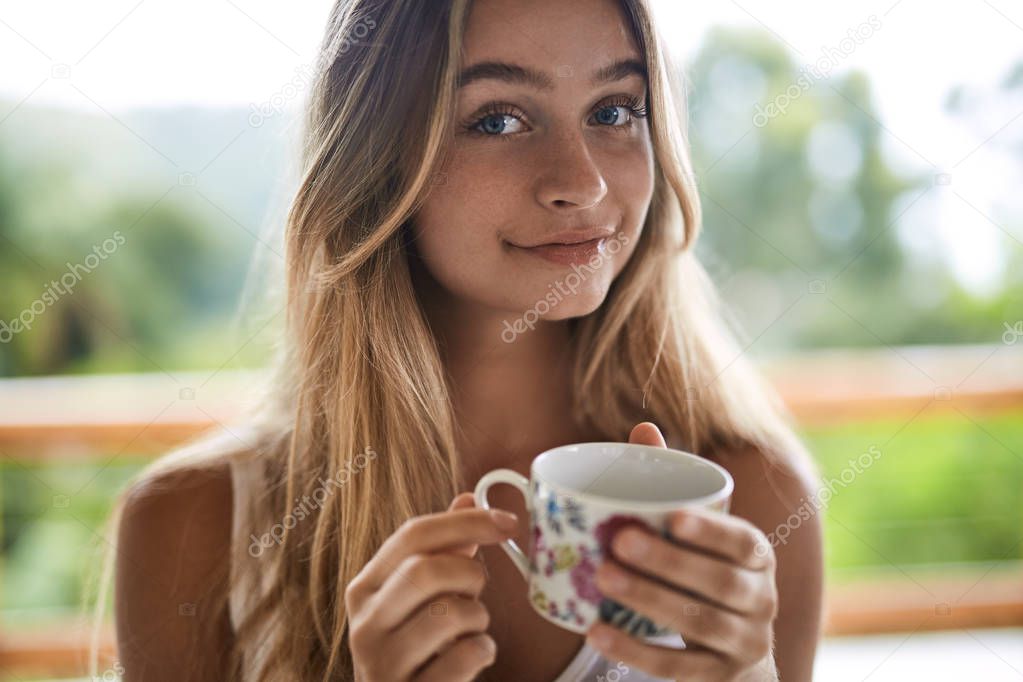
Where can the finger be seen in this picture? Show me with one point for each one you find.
(728, 536)
(420, 578)
(718, 581)
(689, 663)
(647, 433)
(464, 501)
(433, 627)
(721, 630)
(463, 660)
(437, 532)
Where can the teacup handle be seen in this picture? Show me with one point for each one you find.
(512, 478)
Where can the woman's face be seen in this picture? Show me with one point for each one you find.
(549, 146)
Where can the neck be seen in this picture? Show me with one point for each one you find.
(511, 397)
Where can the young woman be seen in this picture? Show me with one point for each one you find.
(438, 327)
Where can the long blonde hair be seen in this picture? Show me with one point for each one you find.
(359, 368)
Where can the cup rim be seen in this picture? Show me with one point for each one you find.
(724, 492)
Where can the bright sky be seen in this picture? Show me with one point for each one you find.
(116, 54)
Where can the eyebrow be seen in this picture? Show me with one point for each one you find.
(521, 75)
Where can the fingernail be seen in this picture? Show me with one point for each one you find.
(506, 521)
(684, 525)
(634, 545)
(488, 644)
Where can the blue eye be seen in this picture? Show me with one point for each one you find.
(499, 119)
(495, 124)
(609, 120)
(634, 107)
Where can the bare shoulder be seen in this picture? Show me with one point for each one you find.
(193, 504)
(779, 497)
(769, 489)
(173, 551)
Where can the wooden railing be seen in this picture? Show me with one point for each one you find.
(90, 418)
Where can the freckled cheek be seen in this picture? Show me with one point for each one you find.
(493, 190)
(630, 183)
(474, 197)
(457, 229)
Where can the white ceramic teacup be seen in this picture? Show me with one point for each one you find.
(578, 496)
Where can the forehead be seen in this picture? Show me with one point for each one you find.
(551, 36)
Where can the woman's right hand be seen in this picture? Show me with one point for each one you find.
(414, 610)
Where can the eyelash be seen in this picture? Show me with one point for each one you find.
(637, 109)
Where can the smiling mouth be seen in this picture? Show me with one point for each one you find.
(566, 254)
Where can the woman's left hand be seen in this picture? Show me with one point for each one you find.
(719, 593)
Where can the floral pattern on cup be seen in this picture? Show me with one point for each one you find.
(565, 542)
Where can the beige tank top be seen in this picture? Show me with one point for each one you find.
(248, 561)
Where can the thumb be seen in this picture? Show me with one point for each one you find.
(647, 433)
(464, 501)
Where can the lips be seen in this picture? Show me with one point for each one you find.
(571, 237)
(568, 254)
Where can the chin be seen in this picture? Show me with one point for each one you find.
(553, 305)
(578, 305)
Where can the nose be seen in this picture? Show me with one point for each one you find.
(568, 178)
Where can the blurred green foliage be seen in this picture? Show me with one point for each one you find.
(54, 532)
(945, 489)
(810, 196)
(141, 273)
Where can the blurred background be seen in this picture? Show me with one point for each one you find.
(859, 165)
